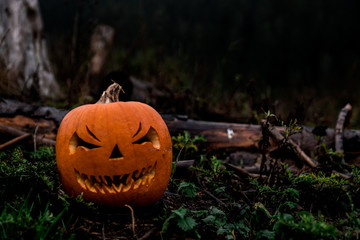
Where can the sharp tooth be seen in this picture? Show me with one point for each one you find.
(137, 183)
(80, 180)
(104, 180)
(98, 179)
(145, 179)
(109, 189)
(119, 188)
(108, 180)
(128, 185)
(149, 179)
(128, 179)
(136, 174)
(99, 188)
(152, 173)
(89, 186)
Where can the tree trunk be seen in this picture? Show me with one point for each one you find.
(100, 45)
(23, 51)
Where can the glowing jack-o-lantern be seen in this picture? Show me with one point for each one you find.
(114, 153)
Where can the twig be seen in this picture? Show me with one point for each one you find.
(103, 231)
(172, 194)
(132, 218)
(256, 170)
(148, 234)
(342, 121)
(342, 175)
(184, 164)
(215, 198)
(264, 144)
(178, 157)
(34, 139)
(15, 132)
(15, 140)
(182, 168)
(240, 171)
(301, 154)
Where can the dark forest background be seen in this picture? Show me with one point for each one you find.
(299, 58)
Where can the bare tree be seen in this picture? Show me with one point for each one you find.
(23, 50)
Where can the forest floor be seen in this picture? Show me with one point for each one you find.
(207, 200)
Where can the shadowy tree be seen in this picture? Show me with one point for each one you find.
(23, 51)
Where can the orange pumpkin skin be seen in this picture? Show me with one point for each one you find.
(114, 154)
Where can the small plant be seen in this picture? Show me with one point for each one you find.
(281, 199)
(188, 188)
(292, 129)
(355, 175)
(327, 156)
(185, 145)
(20, 165)
(215, 163)
(321, 181)
(27, 219)
(306, 227)
(219, 220)
(260, 222)
(351, 224)
(213, 174)
(325, 192)
(183, 221)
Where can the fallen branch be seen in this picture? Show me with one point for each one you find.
(299, 152)
(218, 135)
(213, 197)
(184, 164)
(342, 121)
(15, 140)
(132, 219)
(342, 175)
(148, 234)
(241, 172)
(6, 130)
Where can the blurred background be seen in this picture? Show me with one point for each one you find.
(225, 60)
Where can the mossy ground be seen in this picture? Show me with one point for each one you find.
(208, 202)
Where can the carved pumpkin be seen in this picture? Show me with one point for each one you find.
(114, 153)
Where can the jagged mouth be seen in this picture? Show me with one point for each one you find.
(116, 183)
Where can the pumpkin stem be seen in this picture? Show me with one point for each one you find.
(111, 94)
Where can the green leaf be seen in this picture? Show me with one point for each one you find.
(183, 222)
(265, 234)
(200, 213)
(217, 211)
(209, 218)
(180, 212)
(186, 223)
(188, 188)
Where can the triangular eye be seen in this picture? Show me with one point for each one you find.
(152, 137)
(76, 141)
(116, 153)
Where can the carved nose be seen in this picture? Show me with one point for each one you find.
(116, 153)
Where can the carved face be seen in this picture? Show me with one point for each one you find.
(115, 153)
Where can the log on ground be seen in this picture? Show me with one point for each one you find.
(218, 135)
